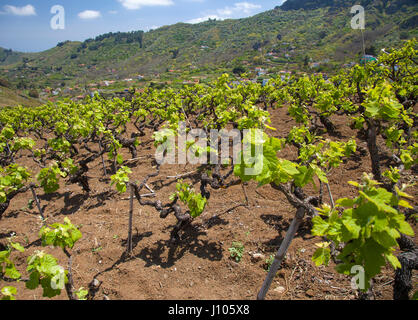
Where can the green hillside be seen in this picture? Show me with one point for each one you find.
(8, 56)
(11, 97)
(291, 36)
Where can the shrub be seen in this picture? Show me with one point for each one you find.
(239, 70)
(33, 94)
(4, 83)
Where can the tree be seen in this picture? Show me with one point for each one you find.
(4, 83)
(372, 50)
(306, 61)
(34, 94)
(175, 53)
(239, 70)
(22, 85)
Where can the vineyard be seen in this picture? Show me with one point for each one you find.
(326, 184)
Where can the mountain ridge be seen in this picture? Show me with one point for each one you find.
(296, 31)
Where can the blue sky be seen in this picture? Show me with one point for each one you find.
(25, 24)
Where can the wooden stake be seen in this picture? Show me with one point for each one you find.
(245, 194)
(38, 204)
(131, 210)
(300, 214)
(103, 163)
(330, 196)
(69, 287)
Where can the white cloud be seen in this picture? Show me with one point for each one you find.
(245, 7)
(27, 10)
(89, 14)
(155, 27)
(205, 18)
(137, 4)
(113, 12)
(238, 10)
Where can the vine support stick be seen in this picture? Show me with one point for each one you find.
(300, 214)
(69, 287)
(247, 203)
(38, 204)
(131, 211)
(103, 163)
(330, 196)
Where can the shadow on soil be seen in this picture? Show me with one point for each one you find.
(136, 238)
(74, 202)
(281, 226)
(174, 251)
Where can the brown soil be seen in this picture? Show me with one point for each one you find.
(199, 266)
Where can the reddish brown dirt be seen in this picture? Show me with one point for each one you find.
(199, 266)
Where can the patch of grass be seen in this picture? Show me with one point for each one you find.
(95, 250)
(236, 251)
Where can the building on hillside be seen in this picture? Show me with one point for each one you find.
(94, 92)
(265, 82)
(56, 92)
(260, 71)
(367, 58)
(284, 74)
(314, 65)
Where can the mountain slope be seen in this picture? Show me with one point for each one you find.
(387, 5)
(10, 97)
(8, 56)
(299, 29)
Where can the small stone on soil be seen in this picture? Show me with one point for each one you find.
(280, 289)
(255, 257)
(310, 293)
(96, 283)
